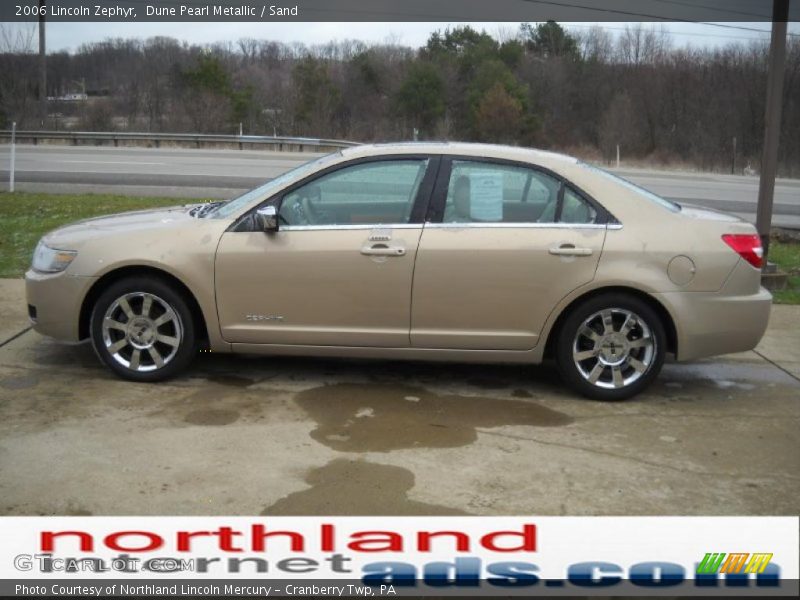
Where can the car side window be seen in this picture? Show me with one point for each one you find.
(374, 193)
(575, 209)
(480, 192)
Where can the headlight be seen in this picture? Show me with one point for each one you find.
(51, 260)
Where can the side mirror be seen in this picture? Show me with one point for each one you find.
(267, 219)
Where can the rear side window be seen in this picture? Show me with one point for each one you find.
(575, 209)
(482, 192)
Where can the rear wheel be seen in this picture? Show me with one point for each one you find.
(143, 330)
(611, 347)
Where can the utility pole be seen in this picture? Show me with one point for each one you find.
(42, 64)
(772, 120)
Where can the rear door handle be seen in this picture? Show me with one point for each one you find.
(570, 250)
(383, 250)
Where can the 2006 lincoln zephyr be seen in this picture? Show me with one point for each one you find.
(438, 251)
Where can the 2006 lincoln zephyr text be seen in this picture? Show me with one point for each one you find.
(437, 251)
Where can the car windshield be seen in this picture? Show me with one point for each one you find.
(264, 191)
(647, 194)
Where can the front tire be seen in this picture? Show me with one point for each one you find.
(143, 330)
(611, 347)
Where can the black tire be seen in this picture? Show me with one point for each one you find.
(611, 348)
(177, 350)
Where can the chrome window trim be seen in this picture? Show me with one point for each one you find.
(614, 226)
(349, 227)
(521, 226)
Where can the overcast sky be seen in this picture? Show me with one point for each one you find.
(69, 36)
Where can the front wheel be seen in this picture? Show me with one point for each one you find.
(143, 330)
(611, 347)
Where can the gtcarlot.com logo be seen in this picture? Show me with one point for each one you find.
(123, 563)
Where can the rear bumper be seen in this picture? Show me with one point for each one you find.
(55, 299)
(709, 324)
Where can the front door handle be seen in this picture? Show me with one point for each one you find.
(570, 250)
(383, 250)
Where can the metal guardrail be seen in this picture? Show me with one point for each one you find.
(76, 138)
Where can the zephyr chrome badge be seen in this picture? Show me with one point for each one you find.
(264, 318)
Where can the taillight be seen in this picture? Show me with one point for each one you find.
(746, 245)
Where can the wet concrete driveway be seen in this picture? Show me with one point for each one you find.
(246, 435)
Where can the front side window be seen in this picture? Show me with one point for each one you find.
(230, 207)
(375, 193)
(481, 192)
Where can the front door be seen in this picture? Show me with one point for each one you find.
(510, 242)
(339, 270)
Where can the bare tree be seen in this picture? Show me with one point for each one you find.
(596, 45)
(17, 79)
(640, 45)
(582, 92)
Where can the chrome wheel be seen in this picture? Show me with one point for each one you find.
(613, 348)
(141, 331)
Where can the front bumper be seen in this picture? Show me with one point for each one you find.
(54, 303)
(709, 324)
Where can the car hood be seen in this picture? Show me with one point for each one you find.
(74, 234)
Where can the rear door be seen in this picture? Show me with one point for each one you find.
(338, 271)
(504, 243)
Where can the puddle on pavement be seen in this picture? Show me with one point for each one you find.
(354, 487)
(29, 509)
(219, 399)
(215, 387)
(382, 417)
(52, 354)
(230, 380)
(487, 377)
(19, 383)
(487, 383)
(77, 512)
(724, 375)
(212, 416)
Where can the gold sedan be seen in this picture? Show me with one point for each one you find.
(439, 251)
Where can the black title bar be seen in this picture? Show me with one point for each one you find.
(391, 10)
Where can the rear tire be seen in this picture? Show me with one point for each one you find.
(142, 329)
(611, 347)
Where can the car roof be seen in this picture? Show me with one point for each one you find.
(518, 153)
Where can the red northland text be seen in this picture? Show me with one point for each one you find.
(258, 538)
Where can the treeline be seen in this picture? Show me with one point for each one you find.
(540, 86)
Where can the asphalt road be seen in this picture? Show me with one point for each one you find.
(192, 173)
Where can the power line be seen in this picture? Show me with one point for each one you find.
(615, 11)
(673, 33)
(645, 15)
(727, 10)
(734, 27)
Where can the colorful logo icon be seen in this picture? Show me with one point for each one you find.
(719, 562)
